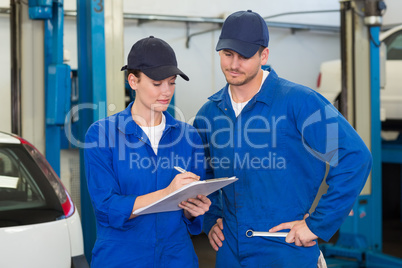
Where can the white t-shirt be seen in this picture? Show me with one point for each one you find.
(238, 106)
(155, 133)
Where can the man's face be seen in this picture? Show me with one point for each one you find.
(239, 70)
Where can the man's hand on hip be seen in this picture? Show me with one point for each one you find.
(299, 232)
(216, 235)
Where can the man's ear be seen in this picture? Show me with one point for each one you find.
(132, 81)
(264, 56)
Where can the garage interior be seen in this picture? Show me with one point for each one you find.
(54, 49)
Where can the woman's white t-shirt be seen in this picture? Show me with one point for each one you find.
(155, 133)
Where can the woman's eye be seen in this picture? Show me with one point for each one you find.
(156, 85)
(173, 83)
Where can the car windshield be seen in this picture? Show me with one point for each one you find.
(26, 197)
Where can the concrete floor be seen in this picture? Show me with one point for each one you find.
(205, 253)
(392, 244)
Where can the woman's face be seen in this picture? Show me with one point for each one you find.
(150, 94)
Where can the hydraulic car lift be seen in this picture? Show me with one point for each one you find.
(360, 237)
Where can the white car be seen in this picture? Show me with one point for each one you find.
(39, 224)
(329, 80)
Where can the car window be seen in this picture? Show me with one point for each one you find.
(394, 46)
(17, 187)
(26, 197)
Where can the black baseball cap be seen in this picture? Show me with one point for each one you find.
(155, 58)
(243, 32)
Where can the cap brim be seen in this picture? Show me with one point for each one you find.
(245, 49)
(163, 72)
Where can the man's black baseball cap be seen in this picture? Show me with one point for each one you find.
(155, 58)
(243, 32)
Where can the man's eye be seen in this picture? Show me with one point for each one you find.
(173, 83)
(156, 84)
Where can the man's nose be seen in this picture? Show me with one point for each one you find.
(235, 62)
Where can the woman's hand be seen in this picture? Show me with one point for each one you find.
(180, 180)
(195, 207)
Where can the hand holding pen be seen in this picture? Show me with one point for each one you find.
(181, 179)
(192, 207)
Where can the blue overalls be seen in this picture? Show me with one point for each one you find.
(278, 148)
(121, 165)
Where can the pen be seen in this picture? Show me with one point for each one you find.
(179, 169)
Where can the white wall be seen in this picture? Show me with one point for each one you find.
(294, 56)
(393, 13)
(213, 8)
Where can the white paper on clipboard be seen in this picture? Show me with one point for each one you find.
(191, 190)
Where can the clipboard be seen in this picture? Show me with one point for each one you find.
(191, 190)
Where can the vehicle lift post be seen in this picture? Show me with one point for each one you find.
(360, 237)
(57, 74)
(92, 96)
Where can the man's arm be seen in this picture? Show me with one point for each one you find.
(350, 164)
(327, 135)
